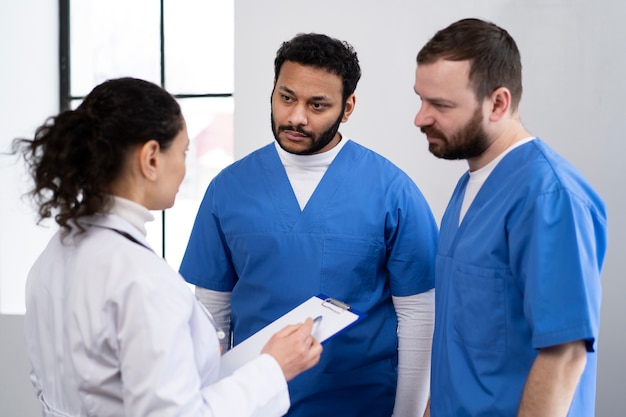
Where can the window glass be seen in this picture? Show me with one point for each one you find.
(210, 128)
(117, 38)
(113, 38)
(199, 46)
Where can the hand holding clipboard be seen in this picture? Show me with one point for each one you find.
(335, 315)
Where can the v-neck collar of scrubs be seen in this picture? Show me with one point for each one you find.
(306, 171)
(321, 199)
(506, 166)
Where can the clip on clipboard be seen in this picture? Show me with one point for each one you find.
(336, 315)
(335, 305)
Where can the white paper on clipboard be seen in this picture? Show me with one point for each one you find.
(336, 316)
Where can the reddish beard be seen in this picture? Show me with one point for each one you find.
(468, 142)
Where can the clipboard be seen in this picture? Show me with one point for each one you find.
(336, 316)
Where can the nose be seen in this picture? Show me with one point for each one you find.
(298, 115)
(422, 118)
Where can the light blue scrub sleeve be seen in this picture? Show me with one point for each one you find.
(558, 242)
(206, 262)
(411, 234)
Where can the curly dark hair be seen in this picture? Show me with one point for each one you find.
(493, 54)
(321, 51)
(75, 156)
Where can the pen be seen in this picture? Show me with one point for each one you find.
(316, 324)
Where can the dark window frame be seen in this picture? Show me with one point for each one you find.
(65, 88)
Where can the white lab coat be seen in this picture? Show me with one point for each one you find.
(112, 330)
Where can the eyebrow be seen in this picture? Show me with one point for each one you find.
(313, 98)
(287, 90)
(439, 100)
(443, 101)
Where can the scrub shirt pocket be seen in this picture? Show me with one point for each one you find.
(480, 307)
(349, 269)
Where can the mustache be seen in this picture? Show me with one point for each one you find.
(298, 129)
(433, 132)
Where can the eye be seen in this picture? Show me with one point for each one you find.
(286, 99)
(319, 106)
(443, 104)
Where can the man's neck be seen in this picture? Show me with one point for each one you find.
(504, 140)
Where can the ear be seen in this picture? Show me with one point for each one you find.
(149, 159)
(273, 91)
(350, 103)
(500, 101)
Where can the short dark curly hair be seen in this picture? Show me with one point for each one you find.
(321, 51)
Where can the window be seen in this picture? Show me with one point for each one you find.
(186, 46)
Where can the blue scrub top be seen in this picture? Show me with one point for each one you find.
(365, 234)
(521, 272)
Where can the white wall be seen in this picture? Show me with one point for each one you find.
(30, 91)
(573, 58)
(574, 91)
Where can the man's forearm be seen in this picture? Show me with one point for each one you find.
(552, 380)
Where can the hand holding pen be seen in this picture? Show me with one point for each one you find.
(294, 348)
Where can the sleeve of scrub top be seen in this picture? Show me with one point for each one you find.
(411, 235)
(555, 250)
(207, 260)
(158, 367)
(218, 304)
(415, 331)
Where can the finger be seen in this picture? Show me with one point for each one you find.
(304, 328)
(304, 331)
(315, 351)
(289, 329)
(307, 326)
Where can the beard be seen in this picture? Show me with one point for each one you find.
(468, 142)
(317, 143)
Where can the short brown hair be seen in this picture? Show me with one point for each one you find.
(494, 58)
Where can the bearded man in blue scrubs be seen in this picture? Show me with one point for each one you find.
(521, 245)
(315, 212)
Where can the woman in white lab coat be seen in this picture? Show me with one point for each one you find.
(111, 329)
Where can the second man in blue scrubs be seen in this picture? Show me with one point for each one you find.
(315, 212)
(522, 242)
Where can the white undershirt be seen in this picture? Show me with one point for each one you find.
(306, 171)
(478, 177)
(134, 213)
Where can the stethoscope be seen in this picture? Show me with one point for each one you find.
(221, 334)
